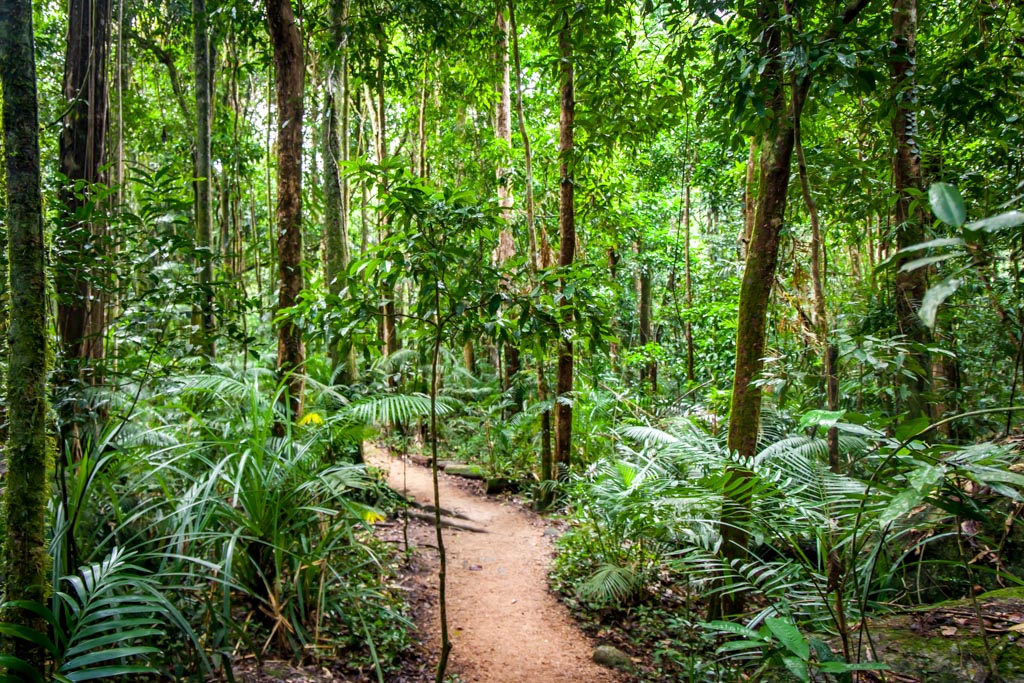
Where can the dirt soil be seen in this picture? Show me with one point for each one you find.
(505, 624)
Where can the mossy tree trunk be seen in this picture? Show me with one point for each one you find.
(289, 72)
(758, 277)
(755, 292)
(27, 494)
(567, 245)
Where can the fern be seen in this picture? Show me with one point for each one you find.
(102, 620)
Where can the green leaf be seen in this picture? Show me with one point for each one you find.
(740, 646)
(933, 244)
(911, 428)
(31, 635)
(730, 627)
(1003, 221)
(947, 204)
(797, 667)
(924, 479)
(821, 418)
(907, 500)
(843, 667)
(107, 672)
(934, 297)
(69, 667)
(24, 668)
(928, 261)
(789, 635)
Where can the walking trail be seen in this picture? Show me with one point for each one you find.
(505, 625)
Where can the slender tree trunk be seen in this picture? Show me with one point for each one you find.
(25, 557)
(289, 69)
(421, 126)
(539, 259)
(910, 286)
(204, 206)
(821, 327)
(389, 329)
(749, 196)
(567, 246)
(649, 373)
(688, 327)
(336, 199)
(503, 131)
(755, 292)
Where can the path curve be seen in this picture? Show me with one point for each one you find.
(505, 625)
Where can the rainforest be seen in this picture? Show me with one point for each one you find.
(507, 340)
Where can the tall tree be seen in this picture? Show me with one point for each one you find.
(289, 80)
(910, 285)
(80, 305)
(336, 186)
(759, 272)
(645, 278)
(567, 242)
(27, 492)
(540, 257)
(203, 202)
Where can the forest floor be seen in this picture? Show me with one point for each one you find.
(505, 624)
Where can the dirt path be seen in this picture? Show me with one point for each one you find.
(506, 627)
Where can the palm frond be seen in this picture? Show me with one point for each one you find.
(392, 408)
(611, 583)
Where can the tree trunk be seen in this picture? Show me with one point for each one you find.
(336, 190)
(749, 197)
(25, 557)
(289, 71)
(829, 353)
(389, 329)
(204, 337)
(758, 276)
(80, 297)
(910, 286)
(537, 261)
(649, 373)
(567, 246)
(688, 327)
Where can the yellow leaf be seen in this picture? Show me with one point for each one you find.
(311, 418)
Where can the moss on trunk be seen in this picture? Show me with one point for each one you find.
(27, 493)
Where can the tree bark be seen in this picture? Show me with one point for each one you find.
(25, 557)
(688, 327)
(336, 188)
(910, 286)
(567, 247)
(756, 285)
(204, 337)
(539, 259)
(829, 353)
(749, 197)
(80, 306)
(649, 373)
(289, 79)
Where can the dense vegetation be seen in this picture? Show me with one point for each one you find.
(736, 286)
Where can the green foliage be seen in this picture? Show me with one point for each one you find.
(829, 547)
(105, 623)
(263, 537)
